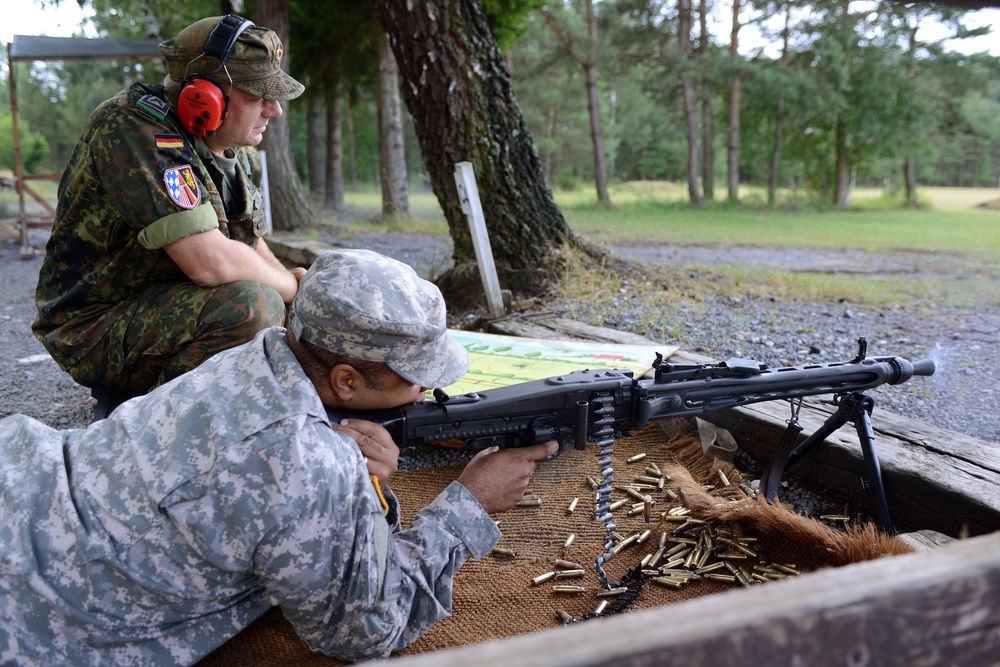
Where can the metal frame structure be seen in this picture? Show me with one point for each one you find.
(25, 48)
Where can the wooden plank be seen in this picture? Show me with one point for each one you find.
(934, 478)
(938, 607)
(551, 327)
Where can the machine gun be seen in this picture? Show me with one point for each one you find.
(594, 404)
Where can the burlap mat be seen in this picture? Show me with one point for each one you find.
(495, 596)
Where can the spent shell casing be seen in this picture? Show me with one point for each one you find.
(501, 551)
(569, 574)
(668, 581)
(564, 616)
(637, 457)
(653, 469)
(572, 505)
(782, 567)
(612, 592)
(648, 480)
(542, 578)
(592, 482)
(569, 540)
(601, 606)
(529, 502)
(729, 578)
(569, 589)
(722, 476)
(618, 503)
(567, 565)
(643, 536)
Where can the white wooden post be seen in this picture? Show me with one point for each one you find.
(468, 194)
(265, 188)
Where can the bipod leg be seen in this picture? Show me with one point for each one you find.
(866, 435)
(855, 408)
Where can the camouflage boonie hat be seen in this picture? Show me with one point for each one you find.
(365, 306)
(254, 62)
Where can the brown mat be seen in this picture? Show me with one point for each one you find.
(495, 597)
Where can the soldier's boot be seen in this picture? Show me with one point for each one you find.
(107, 401)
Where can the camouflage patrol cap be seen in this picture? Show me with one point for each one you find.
(369, 307)
(254, 62)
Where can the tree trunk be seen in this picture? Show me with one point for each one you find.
(334, 151)
(707, 110)
(589, 64)
(772, 184)
(779, 120)
(460, 96)
(352, 163)
(909, 162)
(391, 142)
(733, 151)
(843, 175)
(548, 154)
(684, 47)
(316, 150)
(290, 209)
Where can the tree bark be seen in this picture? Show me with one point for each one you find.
(707, 110)
(779, 120)
(316, 150)
(391, 143)
(334, 151)
(843, 175)
(733, 150)
(352, 163)
(684, 48)
(460, 96)
(909, 162)
(589, 64)
(290, 209)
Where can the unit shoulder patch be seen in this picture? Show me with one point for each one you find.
(182, 187)
(152, 107)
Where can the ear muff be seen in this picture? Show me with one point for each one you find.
(202, 106)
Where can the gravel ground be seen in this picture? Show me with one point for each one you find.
(961, 396)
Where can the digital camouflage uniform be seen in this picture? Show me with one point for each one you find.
(113, 309)
(158, 533)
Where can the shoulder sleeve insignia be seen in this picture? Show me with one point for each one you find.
(153, 106)
(168, 141)
(182, 187)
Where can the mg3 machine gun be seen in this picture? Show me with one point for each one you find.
(593, 405)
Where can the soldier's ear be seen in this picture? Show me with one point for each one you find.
(345, 382)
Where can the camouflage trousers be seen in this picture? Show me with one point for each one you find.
(171, 329)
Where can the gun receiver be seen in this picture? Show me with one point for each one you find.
(594, 404)
(565, 407)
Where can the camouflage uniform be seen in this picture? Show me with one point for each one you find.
(113, 309)
(154, 535)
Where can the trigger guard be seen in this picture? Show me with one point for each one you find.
(553, 457)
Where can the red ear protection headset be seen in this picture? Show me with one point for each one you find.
(202, 106)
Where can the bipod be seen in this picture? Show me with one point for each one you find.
(854, 407)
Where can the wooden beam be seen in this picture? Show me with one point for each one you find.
(937, 607)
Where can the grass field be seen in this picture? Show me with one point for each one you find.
(948, 223)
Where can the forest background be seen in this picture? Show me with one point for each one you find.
(829, 96)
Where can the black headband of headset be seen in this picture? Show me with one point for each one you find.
(223, 37)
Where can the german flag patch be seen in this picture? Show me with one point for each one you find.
(182, 186)
(169, 142)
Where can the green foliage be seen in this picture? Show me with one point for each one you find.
(34, 148)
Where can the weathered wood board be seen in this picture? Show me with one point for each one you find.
(937, 607)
